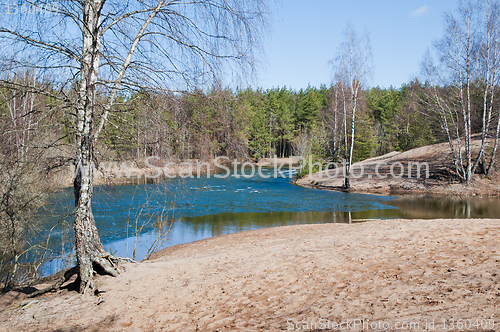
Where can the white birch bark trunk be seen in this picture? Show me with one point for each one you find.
(89, 249)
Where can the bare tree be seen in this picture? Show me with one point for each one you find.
(469, 60)
(489, 57)
(302, 143)
(330, 118)
(23, 178)
(352, 67)
(101, 48)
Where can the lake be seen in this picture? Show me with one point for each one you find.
(134, 219)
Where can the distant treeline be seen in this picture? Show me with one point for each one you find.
(263, 123)
(247, 123)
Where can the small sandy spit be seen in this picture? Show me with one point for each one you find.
(409, 174)
(387, 272)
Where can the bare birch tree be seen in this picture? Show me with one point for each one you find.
(100, 48)
(469, 59)
(352, 67)
(489, 56)
(330, 115)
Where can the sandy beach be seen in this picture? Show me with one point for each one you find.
(434, 274)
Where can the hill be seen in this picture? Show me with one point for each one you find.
(406, 172)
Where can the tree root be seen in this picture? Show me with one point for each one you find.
(107, 263)
(103, 264)
(67, 275)
(122, 259)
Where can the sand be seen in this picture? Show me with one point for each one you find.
(374, 175)
(391, 273)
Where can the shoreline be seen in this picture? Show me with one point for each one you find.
(458, 190)
(378, 176)
(382, 270)
(140, 174)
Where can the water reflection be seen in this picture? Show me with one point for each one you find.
(433, 207)
(188, 229)
(221, 204)
(127, 216)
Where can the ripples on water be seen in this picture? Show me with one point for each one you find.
(205, 207)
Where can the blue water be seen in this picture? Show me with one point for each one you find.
(134, 219)
(200, 208)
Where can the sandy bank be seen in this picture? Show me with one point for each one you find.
(286, 162)
(408, 175)
(281, 278)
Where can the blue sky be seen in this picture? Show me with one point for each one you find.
(306, 35)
